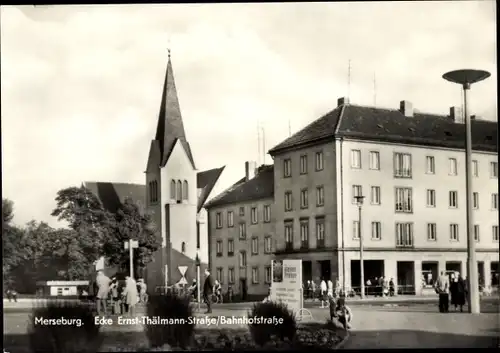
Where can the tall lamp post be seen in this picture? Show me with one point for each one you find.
(359, 201)
(198, 279)
(466, 78)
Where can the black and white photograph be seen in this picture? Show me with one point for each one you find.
(160, 162)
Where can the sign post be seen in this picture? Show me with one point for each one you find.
(131, 245)
(286, 285)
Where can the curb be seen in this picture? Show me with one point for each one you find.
(343, 342)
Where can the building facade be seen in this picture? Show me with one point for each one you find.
(410, 167)
(241, 233)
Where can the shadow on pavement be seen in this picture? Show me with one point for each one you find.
(416, 339)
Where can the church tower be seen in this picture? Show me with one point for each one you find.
(172, 193)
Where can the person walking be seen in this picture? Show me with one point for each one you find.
(115, 298)
(323, 291)
(208, 290)
(392, 287)
(442, 289)
(458, 291)
(131, 294)
(103, 283)
(330, 288)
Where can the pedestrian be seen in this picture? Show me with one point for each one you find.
(343, 313)
(458, 291)
(208, 290)
(368, 287)
(330, 288)
(322, 292)
(386, 287)
(338, 288)
(380, 289)
(392, 287)
(103, 283)
(313, 290)
(230, 294)
(308, 289)
(442, 289)
(115, 298)
(131, 295)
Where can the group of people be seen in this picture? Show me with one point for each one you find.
(454, 286)
(217, 290)
(123, 296)
(323, 291)
(380, 287)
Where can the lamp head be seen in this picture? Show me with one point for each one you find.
(466, 77)
(359, 199)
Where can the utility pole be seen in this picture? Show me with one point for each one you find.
(359, 200)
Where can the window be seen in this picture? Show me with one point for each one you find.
(494, 169)
(320, 233)
(404, 235)
(153, 191)
(356, 159)
(303, 164)
(179, 191)
(374, 160)
(267, 269)
(355, 230)
(375, 195)
(320, 196)
(218, 220)
(230, 219)
(357, 190)
(243, 258)
(430, 165)
(319, 161)
(475, 200)
(454, 232)
(218, 248)
(494, 201)
(431, 232)
(267, 213)
(220, 275)
(185, 191)
(243, 230)
(253, 215)
(402, 165)
(255, 275)
(431, 198)
(230, 247)
(453, 166)
(268, 245)
(453, 199)
(289, 235)
(172, 190)
(404, 200)
(476, 232)
(304, 202)
(287, 168)
(475, 168)
(376, 230)
(494, 230)
(304, 234)
(230, 275)
(288, 201)
(255, 246)
(242, 211)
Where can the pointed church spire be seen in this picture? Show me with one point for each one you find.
(170, 126)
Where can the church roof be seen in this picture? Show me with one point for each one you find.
(259, 187)
(390, 125)
(112, 195)
(206, 181)
(170, 127)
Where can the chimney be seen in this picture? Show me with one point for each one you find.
(406, 108)
(475, 117)
(342, 101)
(457, 115)
(250, 170)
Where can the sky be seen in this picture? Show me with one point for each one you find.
(81, 85)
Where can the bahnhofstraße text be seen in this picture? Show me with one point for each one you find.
(197, 320)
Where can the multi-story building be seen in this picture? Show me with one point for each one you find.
(241, 230)
(411, 169)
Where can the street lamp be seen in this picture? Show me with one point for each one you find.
(466, 78)
(359, 201)
(198, 279)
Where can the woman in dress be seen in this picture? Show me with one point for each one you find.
(458, 291)
(131, 295)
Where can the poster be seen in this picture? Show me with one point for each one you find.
(286, 286)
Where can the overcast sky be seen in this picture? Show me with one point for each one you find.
(81, 85)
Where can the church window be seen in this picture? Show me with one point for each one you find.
(172, 190)
(153, 191)
(179, 191)
(183, 247)
(185, 191)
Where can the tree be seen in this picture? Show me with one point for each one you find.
(131, 222)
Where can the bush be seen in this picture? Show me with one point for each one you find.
(170, 307)
(70, 328)
(262, 333)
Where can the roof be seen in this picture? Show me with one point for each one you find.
(390, 125)
(206, 181)
(170, 126)
(112, 195)
(259, 187)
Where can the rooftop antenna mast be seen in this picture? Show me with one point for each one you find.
(349, 81)
(263, 146)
